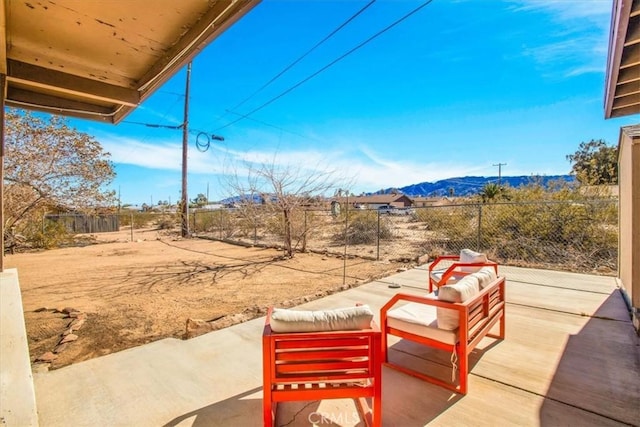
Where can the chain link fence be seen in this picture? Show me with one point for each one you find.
(570, 236)
(579, 236)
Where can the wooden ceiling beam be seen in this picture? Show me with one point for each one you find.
(627, 101)
(628, 75)
(21, 98)
(64, 83)
(630, 56)
(624, 111)
(633, 32)
(627, 88)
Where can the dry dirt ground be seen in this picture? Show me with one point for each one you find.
(136, 292)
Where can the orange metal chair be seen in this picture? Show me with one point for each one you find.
(322, 365)
(476, 318)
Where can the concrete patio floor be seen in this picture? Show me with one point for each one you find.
(571, 357)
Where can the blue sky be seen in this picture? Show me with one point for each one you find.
(452, 90)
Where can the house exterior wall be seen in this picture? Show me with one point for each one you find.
(629, 211)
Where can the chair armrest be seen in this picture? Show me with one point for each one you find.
(456, 268)
(460, 306)
(422, 300)
(442, 258)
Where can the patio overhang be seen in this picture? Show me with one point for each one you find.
(99, 60)
(622, 86)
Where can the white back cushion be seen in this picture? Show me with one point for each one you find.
(466, 288)
(485, 276)
(340, 319)
(468, 256)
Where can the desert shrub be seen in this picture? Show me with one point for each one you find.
(54, 234)
(449, 227)
(204, 221)
(362, 229)
(562, 228)
(166, 223)
(303, 223)
(140, 219)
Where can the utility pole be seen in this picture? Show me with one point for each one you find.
(499, 165)
(185, 146)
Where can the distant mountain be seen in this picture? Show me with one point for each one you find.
(469, 185)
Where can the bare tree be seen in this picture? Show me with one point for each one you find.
(49, 165)
(283, 190)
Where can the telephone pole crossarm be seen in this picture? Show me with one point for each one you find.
(499, 165)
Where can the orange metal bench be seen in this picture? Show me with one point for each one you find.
(322, 365)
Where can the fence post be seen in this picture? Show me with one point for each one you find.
(221, 223)
(131, 226)
(378, 239)
(304, 233)
(479, 226)
(346, 242)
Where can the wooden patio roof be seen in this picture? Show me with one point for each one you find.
(99, 60)
(622, 87)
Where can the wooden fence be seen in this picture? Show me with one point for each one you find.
(86, 223)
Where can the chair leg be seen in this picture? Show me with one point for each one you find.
(377, 412)
(268, 409)
(383, 340)
(463, 360)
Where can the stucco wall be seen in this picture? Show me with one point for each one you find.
(629, 179)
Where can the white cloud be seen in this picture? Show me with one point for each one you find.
(363, 169)
(161, 154)
(579, 41)
(567, 9)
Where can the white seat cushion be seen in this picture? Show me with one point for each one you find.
(341, 319)
(420, 319)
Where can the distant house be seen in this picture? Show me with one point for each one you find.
(610, 191)
(212, 206)
(375, 201)
(423, 202)
(132, 208)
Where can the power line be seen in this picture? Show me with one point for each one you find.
(341, 57)
(155, 125)
(288, 67)
(179, 96)
(244, 116)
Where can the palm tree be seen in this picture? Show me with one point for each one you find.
(491, 192)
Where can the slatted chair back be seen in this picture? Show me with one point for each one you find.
(322, 365)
